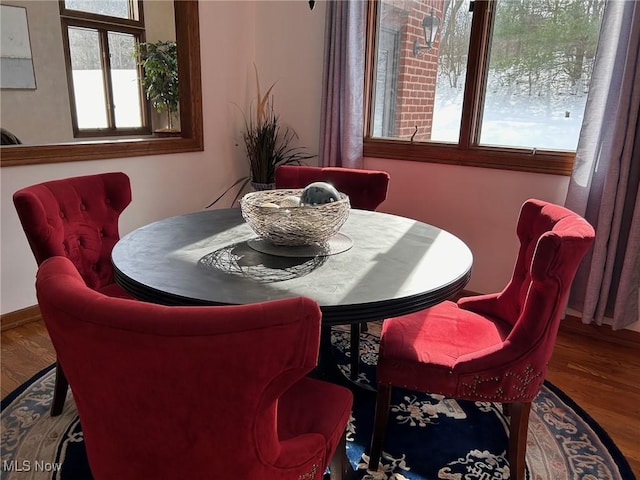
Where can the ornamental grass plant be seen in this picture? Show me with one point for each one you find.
(268, 143)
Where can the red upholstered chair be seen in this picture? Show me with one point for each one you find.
(491, 348)
(194, 392)
(366, 189)
(76, 218)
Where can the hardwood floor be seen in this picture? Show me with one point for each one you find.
(599, 369)
(24, 351)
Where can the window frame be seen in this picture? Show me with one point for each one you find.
(468, 151)
(104, 25)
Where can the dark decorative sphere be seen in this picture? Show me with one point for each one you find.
(318, 193)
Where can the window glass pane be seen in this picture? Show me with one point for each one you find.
(419, 83)
(124, 77)
(88, 84)
(453, 51)
(541, 59)
(113, 8)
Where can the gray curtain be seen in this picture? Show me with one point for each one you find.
(606, 174)
(342, 114)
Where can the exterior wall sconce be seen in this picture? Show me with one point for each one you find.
(430, 25)
(312, 4)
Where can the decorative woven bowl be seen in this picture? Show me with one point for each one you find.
(293, 226)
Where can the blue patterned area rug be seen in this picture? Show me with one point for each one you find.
(429, 437)
(432, 437)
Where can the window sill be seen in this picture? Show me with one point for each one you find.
(534, 161)
(100, 150)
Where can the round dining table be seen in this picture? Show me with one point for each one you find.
(379, 266)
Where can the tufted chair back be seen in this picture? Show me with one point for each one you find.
(76, 218)
(366, 188)
(553, 241)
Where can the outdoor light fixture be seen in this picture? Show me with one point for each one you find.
(312, 4)
(430, 25)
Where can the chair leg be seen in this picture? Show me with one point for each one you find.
(383, 401)
(340, 467)
(355, 351)
(59, 391)
(518, 428)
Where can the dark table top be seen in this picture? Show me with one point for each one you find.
(395, 266)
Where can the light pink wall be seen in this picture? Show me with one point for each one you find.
(478, 205)
(291, 53)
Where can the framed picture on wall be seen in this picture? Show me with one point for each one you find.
(16, 64)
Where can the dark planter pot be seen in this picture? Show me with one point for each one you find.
(258, 187)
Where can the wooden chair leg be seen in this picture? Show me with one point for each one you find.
(383, 401)
(340, 467)
(59, 391)
(355, 351)
(518, 427)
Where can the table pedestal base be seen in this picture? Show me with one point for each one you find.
(327, 368)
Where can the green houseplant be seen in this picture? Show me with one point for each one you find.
(159, 61)
(268, 144)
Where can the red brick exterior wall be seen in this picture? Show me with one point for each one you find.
(416, 75)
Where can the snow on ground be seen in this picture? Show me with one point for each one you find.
(549, 122)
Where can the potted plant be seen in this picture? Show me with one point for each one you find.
(159, 61)
(268, 144)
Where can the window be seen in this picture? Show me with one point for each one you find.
(104, 79)
(502, 84)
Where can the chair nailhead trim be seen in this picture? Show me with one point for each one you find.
(523, 380)
(311, 474)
